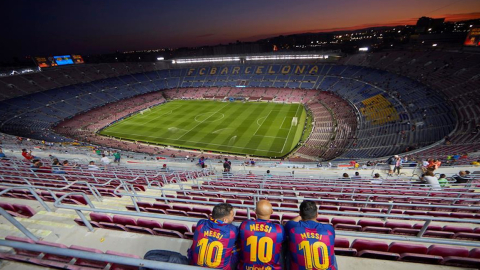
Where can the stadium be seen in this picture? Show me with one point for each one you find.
(285, 126)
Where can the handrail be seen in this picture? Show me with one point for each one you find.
(99, 257)
(17, 224)
(338, 232)
(32, 192)
(92, 187)
(262, 190)
(257, 196)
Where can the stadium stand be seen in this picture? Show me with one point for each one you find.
(366, 106)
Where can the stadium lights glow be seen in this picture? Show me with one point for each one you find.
(160, 58)
(286, 57)
(434, 45)
(363, 49)
(205, 60)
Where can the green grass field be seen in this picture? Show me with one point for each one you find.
(252, 128)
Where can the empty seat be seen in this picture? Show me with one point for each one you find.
(373, 249)
(54, 257)
(345, 224)
(86, 262)
(114, 266)
(182, 228)
(445, 251)
(24, 210)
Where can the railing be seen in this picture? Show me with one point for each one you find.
(418, 238)
(98, 257)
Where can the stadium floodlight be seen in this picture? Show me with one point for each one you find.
(363, 49)
(160, 58)
(286, 57)
(434, 45)
(206, 60)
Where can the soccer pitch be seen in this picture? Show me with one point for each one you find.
(251, 128)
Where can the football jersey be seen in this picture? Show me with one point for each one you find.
(214, 245)
(260, 245)
(310, 245)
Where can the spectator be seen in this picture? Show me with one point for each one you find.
(2, 155)
(116, 157)
(210, 235)
(57, 167)
(391, 164)
(92, 166)
(398, 165)
(357, 176)
(263, 229)
(345, 176)
(303, 233)
(227, 165)
(430, 178)
(443, 180)
(268, 175)
(436, 164)
(28, 155)
(67, 166)
(377, 179)
(105, 160)
(201, 162)
(474, 163)
(164, 168)
(461, 177)
(38, 167)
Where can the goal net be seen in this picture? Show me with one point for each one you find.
(294, 121)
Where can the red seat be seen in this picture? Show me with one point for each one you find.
(373, 249)
(445, 251)
(182, 207)
(24, 210)
(395, 224)
(177, 212)
(345, 224)
(462, 215)
(23, 251)
(115, 266)
(100, 217)
(182, 228)
(162, 206)
(457, 229)
(404, 248)
(53, 257)
(124, 220)
(197, 215)
(86, 262)
(467, 236)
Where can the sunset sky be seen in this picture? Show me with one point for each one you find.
(92, 26)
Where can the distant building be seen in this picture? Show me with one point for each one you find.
(429, 25)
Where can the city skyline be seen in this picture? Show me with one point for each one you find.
(90, 27)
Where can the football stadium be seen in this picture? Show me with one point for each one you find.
(353, 147)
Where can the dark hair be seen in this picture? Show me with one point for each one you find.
(268, 171)
(357, 173)
(442, 175)
(24, 150)
(345, 175)
(308, 210)
(221, 210)
(377, 175)
(467, 172)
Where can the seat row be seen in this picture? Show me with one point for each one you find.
(57, 261)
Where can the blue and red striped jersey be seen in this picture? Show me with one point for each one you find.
(260, 245)
(310, 245)
(214, 245)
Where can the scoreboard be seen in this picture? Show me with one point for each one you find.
(59, 60)
(473, 38)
